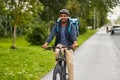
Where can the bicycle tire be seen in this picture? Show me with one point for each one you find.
(57, 73)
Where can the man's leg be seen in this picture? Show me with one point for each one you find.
(57, 50)
(69, 60)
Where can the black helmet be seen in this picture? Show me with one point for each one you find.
(64, 11)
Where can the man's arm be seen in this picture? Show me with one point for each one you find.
(45, 45)
(52, 34)
(74, 37)
(49, 39)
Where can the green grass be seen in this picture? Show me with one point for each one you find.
(27, 62)
(24, 63)
(85, 36)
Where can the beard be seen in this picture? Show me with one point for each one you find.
(63, 21)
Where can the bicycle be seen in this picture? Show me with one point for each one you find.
(59, 72)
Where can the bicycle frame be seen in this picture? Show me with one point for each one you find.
(61, 57)
(60, 67)
(62, 61)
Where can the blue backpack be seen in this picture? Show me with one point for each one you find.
(73, 21)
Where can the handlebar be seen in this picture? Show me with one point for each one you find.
(52, 47)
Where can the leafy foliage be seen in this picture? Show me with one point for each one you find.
(82, 26)
(118, 20)
(5, 27)
(38, 34)
(51, 9)
(21, 12)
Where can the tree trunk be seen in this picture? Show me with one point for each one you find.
(14, 37)
(94, 25)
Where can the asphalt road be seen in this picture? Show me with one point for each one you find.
(97, 59)
(116, 40)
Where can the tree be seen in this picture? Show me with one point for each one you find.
(51, 9)
(74, 7)
(96, 12)
(21, 12)
(117, 21)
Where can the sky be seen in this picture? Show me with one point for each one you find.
(115, 13)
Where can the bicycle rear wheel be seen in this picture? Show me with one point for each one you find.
(57, 73)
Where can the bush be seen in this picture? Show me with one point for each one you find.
(38, 35)
(82, 26)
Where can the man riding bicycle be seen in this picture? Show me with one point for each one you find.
(64, 37)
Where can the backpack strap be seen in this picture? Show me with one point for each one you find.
(57, 24)
(69, 27)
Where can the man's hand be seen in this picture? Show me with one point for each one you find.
(75, 45)
(45, 45)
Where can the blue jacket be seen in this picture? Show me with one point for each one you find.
(71, 35)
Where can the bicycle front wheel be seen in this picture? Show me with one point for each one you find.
(64, 71)
(57, 73)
